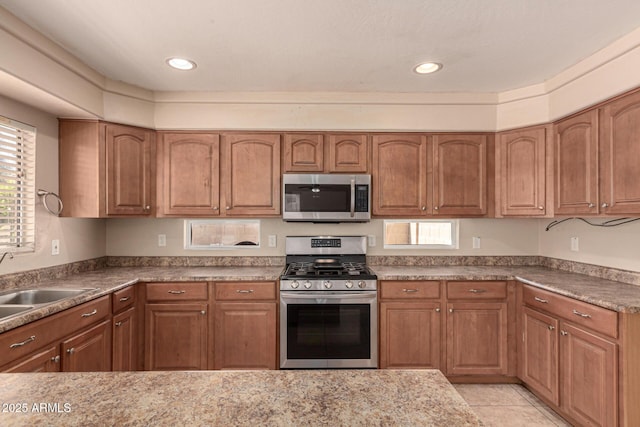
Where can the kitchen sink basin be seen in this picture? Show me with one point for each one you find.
(10, 310)
(39, 296)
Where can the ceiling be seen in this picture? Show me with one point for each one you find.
(331, 45)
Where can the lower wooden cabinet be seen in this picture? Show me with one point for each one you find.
(45, 360)
(88, 351)
(124, 352)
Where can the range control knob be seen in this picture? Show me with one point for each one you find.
(307, 284)
(295, 284)
(327, 284)
(349, 284)
(362, 284)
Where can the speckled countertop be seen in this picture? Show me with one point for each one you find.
(246, 398)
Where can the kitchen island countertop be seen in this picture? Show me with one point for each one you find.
(265, 398)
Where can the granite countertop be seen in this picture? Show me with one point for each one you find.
(247, 398)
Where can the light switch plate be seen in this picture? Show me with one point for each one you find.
(272, 241)
(476, 243)
(575, 244)
(55, 247)
(371, 240)
(162, 240)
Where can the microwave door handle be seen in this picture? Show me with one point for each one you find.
(353, 197)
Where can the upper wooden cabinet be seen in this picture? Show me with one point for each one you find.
(250, 181)
(106, 169)
(189, 173)
(575, 151)
(332, 153)
(620, 156)
(521, 173)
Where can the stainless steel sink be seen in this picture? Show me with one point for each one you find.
(10, 310)
(39, 296)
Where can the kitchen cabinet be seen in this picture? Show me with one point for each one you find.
(620, 156)
(348, 152)
(522, 164)
(569, 356)
(303, 153)
(124, 330)
(410, 324)
(245, 325)
(44, 360)
(325, 153)
(176, 330)
(88, 351)
(106, 169)
(188, 174)
(575, 150)
(250, 180)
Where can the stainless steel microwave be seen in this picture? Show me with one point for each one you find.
(326, 197)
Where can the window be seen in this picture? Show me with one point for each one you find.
(424, 234)
(17, 186)
(221, 234)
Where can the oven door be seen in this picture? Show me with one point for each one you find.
(328, 329)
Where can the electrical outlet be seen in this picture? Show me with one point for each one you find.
(476, 243)
(162, 240)
(55, 247)
(371, 239)
(574, 244)
(272, 241)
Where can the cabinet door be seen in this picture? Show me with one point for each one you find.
(303, 153)
(130, 170)
(589, 377)
(251, 174)
(190, 174)
(245, 336)
(399, 175)
(44, 360)
(620, 156)
(576, 164)
(175, 336)
(124, 341)
(410, 335)
(348, 153)
(539, 368)
(460, 175)
(521, 173)
(88, 351)
(477, 339)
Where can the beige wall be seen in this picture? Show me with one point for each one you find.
(79, 238)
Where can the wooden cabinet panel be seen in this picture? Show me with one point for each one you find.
(348, 153)
(245, 336)
(589, 377)
(521, 158)
(251, 182)
(410, 335)
(189, 173)
(245, 291)
(540, 368)
(303, 153)
(399, 178)
(124, 298)
(125, 332)
(403, 289)
(620, 156)
(88, 351)
(176, 336)
(477, 339)
(460, 175)
(476, 290)
(176, 291)
(45, 360)
(576, 164)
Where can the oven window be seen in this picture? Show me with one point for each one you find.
(328, 331)
(317, 198)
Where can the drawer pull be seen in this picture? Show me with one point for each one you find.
(543, 301)
(56, 359)
(564, 333)
(123, 299)
(71, 350)
(27, 341)
(244, 291)
(177, 292)
(409, 290)
(118, 323)
(551, 328)
(477, 291)
(93, 313)
(583, 315)
(437, 310)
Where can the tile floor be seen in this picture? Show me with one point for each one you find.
(508, 405)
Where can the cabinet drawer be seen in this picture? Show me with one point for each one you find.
(124, 298)
(409, 289)
(476, 290)
(245, 291)
(593, 317)
(176, 291)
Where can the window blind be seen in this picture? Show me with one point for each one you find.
(17, 185)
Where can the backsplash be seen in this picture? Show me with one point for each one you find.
(14, 280)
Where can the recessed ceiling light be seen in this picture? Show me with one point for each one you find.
(427, 67)
(181, 64)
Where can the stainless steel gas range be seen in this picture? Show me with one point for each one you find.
(328, 304)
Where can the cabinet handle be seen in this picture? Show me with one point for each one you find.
(604, 205)
(436, 208)
(583, 315)
(451, 310)
(437, 310)
(543, 301)
(477, 291)
(564, 333)
(541, 208)
(551, 328)
(177, 292)
(27, 341)
(56, 359)
(93, 313)
(215, 208)
(71, 350)
(228, 207)
(203, 312)
(147, 208)
(424, 208)
(118, 323)
(123, 299)
(591, 205)
(409, 290)
(244, 291)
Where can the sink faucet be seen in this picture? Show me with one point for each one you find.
(4, 255)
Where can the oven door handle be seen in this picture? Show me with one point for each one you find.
(329, 295)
